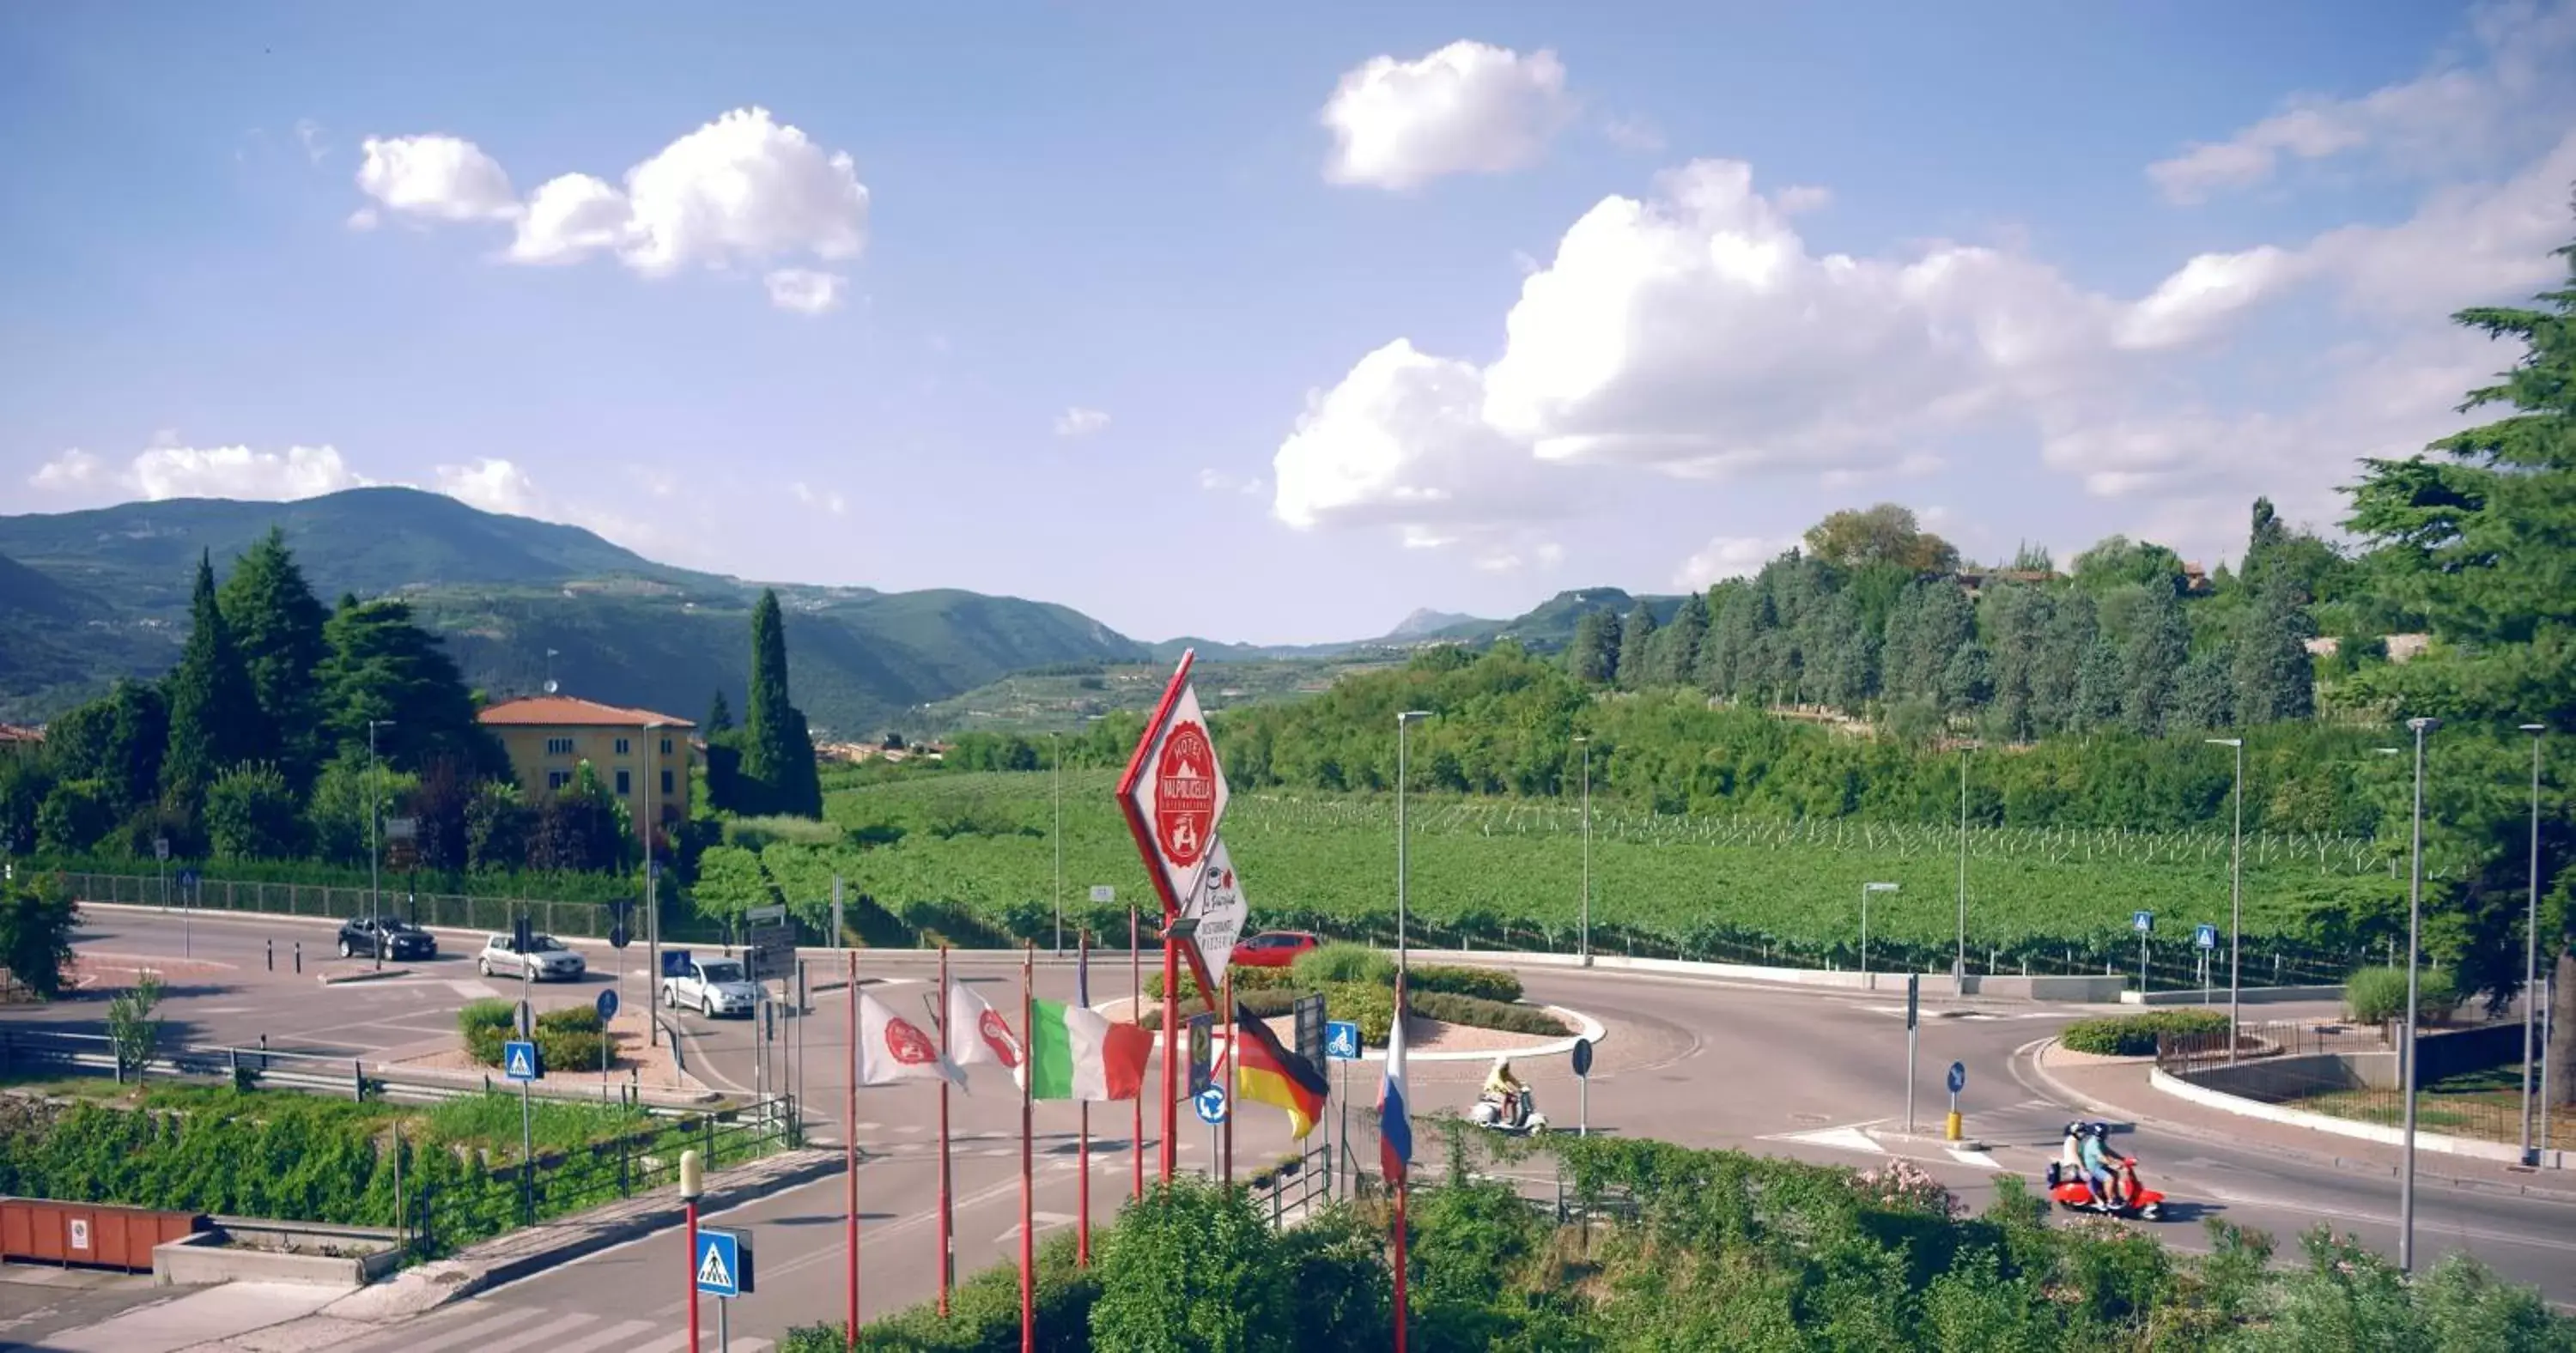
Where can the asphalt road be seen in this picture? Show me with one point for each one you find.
(1818, 1076)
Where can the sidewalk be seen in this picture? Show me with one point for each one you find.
(2119, 1088)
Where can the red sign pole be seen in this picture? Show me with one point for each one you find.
(850, 1129)
(1028, 1158)
(1136, 1012)
(947, 1247)
(1082, 1146)
(1144, 835)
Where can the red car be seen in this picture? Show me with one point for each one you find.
(1274, 948)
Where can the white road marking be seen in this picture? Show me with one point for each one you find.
(1983, 1160)
(550, 1330)
(621, 1335)
(473, 991)
(461, 1334)
(1838, 1138)
(1045, 1221)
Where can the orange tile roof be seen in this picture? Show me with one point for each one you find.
(10, 732)
(557, 711)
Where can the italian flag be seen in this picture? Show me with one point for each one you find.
(1074, 1053)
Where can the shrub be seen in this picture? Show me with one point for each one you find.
(1245, 979)
(486, 1026)
(1451, 1008)
(2378, 995)
(1342, 962)
(2136, 1035)
(1492, 984)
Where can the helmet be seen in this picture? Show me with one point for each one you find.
(2097, 1130)
(1502, 1066)
(2075, 1129)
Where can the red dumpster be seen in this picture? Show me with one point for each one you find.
(98, 1235)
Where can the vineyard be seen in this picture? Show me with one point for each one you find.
(969, 854)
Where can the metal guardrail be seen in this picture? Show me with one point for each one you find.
(262, 1066)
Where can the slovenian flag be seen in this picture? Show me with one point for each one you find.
(1394, 1121)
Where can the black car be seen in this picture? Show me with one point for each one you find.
(385, 937)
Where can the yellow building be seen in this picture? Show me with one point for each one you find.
(642, 757)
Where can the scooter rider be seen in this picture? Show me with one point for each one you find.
(2070, 1153)
(2098, 1158)
(1502, 1084)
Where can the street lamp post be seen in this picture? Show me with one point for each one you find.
(2235, 894)
(2531, 951)
(1585, 743)
(1403, 963)
(1058, 740)
(1865, 890)
(375, 819)
(1959, 970)
(652, 913)
(2414, 943)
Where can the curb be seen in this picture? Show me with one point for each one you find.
(2361, 1165)
(341, 979)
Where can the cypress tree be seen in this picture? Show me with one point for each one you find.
(276, 623)
(1636, 649)
(2275, 677)
(214, 715)
(719, 715)
(778, 752)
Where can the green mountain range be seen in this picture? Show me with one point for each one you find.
(89, 596)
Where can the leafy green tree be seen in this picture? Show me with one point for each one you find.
(276, 623)
(2158, 644)
(133, 1030)
(440, 807)
(1636, 649)
(24, 783)
(346, 796)
(497, 826)
(36, 921)
(2275, 679)
(719, 716)
(1843, 657)
(215, 719)
(1194, 1267)
(2118, 561)
(75, 816)
(384, 667)
(117, 740)
(2017, 620)
(252, 814)
(578, 827)
(1593, 656)
(778, 752)
(1884, 534)
(1967, 679)
(1940, 621)
(2097, 687)
(1733, 630)
(1677, 646)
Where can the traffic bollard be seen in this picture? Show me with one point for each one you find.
(272, 955)
(299, 956)
(1951, 1131)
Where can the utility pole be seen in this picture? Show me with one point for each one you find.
(2532, 1050)
(1585, 743)
(2235, 899)
(652, 924)
(2414, 944)
(1959, 972)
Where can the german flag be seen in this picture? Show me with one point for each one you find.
(1273, 1075)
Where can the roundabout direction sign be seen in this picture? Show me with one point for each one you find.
(1211, 1105)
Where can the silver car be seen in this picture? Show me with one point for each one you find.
(546, 958)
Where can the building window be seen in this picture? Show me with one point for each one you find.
(666, 782)
(625, 784)
(623, 747)
(666, 746)
(557, 779)
(559, 746)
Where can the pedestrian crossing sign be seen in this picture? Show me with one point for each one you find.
(723, 1264)
(521, 1062)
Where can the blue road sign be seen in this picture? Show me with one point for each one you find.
(2206, 937)
(722, 1266)
(607, 1004)
(187, 879)
(1342, 1040)
(1958, 1077)
(1211, 1105)
(520, 1062)
(2142, 921)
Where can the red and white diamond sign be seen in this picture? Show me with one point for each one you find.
(1176, 791)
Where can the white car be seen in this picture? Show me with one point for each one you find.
(546, 958)
(712, 987)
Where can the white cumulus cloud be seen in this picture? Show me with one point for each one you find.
(804, 290)
(821, 500)
(1402, 441)
(493, 485)
(743, 191)
(1080, 422)
(1468, 108)
(435, 177)
(1727, 557)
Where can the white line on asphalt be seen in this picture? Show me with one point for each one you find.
(1839, 1138)
(2381, 1219)
(1982, 1160)
(621, 1335)
(560, 1325)
(458, 1335)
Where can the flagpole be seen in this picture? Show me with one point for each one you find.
(1233, 1080)
(1082, 1148)
(1136, 1012)
(1028, 1158)
(1171, 1047)
(1403, 1182)
(850, 1129)
(947, 1246)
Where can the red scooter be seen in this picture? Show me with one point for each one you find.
(2072, 1190)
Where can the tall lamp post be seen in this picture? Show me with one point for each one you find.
(652, 913)
(2531, 952)
(2414, 943)
(2235, 893)
(1865, 890)
(375, 819)
(1058, 740)
(1585, 742)
(1403, 962)
(1959, 973)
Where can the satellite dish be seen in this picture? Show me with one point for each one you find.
(550, 685)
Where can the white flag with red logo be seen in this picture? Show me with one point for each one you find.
(892, 1049)
(977, 1033)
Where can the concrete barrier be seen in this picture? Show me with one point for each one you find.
(2211, 1097)
(240, 1249)
(2217, 996)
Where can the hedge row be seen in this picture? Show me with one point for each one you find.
(570, 1039)
(1373, 1009)
(1324, 967)
(2136, 1035)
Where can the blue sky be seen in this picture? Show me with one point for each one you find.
(1102, 304)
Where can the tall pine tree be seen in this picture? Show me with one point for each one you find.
(215, 721)
(1636, 649)
(1677, 647)
(2274, 676)
(778, 751)
(276, 623)
(2159, 643)
(384, 667)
